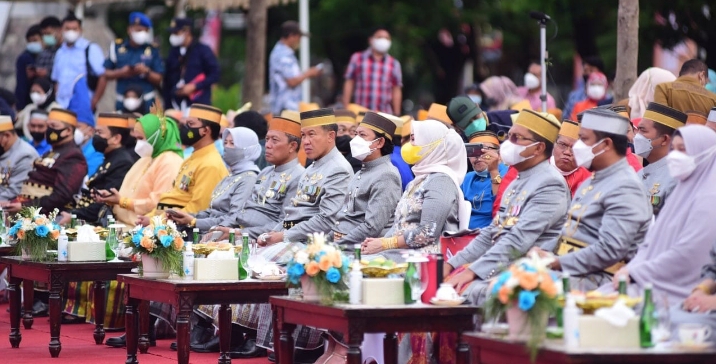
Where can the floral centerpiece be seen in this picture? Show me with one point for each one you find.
(35, 233)
(160, 244)
(526, 292)
(320, 268)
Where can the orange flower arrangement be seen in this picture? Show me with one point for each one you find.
(312, 268)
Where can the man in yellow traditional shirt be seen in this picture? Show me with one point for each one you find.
(202, 171)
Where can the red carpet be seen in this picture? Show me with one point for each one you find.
(78, 347)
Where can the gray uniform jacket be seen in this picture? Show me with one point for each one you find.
(532, 213)
(15, 164)
(368, 208)
(658, 183)
(228, 196)
(610, 214)
(264, 207)
(319, 196)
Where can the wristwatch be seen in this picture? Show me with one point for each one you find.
(497, 180)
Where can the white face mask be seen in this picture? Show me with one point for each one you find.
(38, 98)
(510, 153)
(381, 45)
(583, 153)
(79, 137)
(682, 165)
(642, 146)
(70, 36)
(552, 162)
(531, 81)
(176, 40)
(131, 103)
(360, 148)
(143, 149)
(596, 92)
(477, 99)
(141, 37)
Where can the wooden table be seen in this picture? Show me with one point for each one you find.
(355, 320)
(56, 275)
(490, 349)
(183, 295)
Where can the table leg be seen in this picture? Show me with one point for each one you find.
(56, 286)
(99, 311)
(131, 305)
(14, 290)
(284, 330)
(390, 348)
(186, 306)
(224, 334)
(28, 296)
(143, 313)
(355, 340)
(462, 353)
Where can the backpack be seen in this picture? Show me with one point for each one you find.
(92, 78)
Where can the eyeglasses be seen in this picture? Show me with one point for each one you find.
(563, 145)
(514, 138)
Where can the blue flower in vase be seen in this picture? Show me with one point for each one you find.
(318, 256)
(42, 231)
(333, 275)
(526, 300)
(294, 272)
(13, 230)
(345, 265)
(156, 229)
(501, 282)
(528, 268)
(137, 237)
(166, 240)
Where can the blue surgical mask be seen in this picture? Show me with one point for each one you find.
(49, 40)
(34, 47)
(477, 99)
(476, 125)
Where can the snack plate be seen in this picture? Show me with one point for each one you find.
(450, 303)
(692, 346)
(380, 272)
(271, 277)
(496, 328)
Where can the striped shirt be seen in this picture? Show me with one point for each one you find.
(374, 80)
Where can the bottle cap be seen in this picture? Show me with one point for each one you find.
(565, 274)
(622, 278)
(74, 216)
(231, 231)
(196, 230)
(187, 245)
(244, 234)
(356, 246)
(648, 285)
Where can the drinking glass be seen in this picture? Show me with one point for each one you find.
(418, 286)
(114, 243)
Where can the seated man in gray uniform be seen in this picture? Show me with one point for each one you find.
(610, 213)
(375, 189)
(532, 211)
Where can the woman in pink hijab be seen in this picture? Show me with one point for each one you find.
(500, 93)
(596, 92)
(678, 243)
(641, 92)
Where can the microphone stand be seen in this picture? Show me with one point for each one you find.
(543, 61)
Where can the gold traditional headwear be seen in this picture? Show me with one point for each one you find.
(665, 115)
(205, 112)
(569, 129)
(112, 120)
(542, 124)
(6, 123)
(65, 116)
(317, 118)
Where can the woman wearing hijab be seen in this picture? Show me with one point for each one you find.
(679, 242)
(241, 150)
(641, 92)
(429, 204)
(43, 98)
(500, 93)
(160, 152)
(596, 94)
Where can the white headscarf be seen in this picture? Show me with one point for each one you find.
(449, 156)
(247, 142)
(642, 92)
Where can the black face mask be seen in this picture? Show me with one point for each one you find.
(37, 137)
(100, 144)
(586, 78)
(189, 136)
(631, 147)
(131, 142)
(53, 135)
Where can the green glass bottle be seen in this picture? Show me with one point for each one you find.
(647, 322)
(565, 290)
(410, 275)
(110, 242)
(195, 237)
(232, 237)
(356, 252)
(244, 257)
(3, 227)
(73, 221)
(622, 285)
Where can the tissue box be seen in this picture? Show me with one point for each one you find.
(383, 291)
(595, 332)
(216, 269)
(85, 251)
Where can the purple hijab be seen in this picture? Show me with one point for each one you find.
(678, 244)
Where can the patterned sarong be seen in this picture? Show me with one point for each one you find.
(80, 302)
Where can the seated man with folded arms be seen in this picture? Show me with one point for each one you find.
(609, 215)
(531, 212)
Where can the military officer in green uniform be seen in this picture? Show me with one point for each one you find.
(110, 138)
(135, 61)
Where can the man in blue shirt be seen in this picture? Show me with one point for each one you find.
(191, 68)
(480, 186)
(84, 131)
(71, 63)
(135, 61)
(25, 66)
(285, 74)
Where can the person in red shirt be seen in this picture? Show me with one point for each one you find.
(563, 158)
